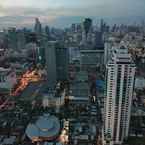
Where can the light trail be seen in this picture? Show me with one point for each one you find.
(6, 104)
(28, 77)
(25, 80)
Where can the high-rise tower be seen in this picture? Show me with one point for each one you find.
(120, 73)
(87, 27)
(56, 56)
(50, 57)
(37, 27)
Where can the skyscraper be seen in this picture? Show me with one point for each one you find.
(102, 26)
(87, 24)
(50, 56)
(37, 27)
(47, 32)
(87, 27)
(62, 59)
(12, 38)
(56, 62)
(120, 75)
(21, 41)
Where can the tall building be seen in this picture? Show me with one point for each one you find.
(37, 27)
(21, 41)
(99, 40)
(41, 51)
(87, 24)
(47, 32)
(62, 59)
(103, 26)
(108, 47)
(57, 58)
(87, 27)
(50, 57)
(12, 38)
(120, 75)
(73, 28)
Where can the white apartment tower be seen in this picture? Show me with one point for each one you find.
(120, 73)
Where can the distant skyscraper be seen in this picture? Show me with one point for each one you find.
(99, 40)
(41, 51)
(102, 25)
(12, 38)
(21, 40)
(47, 32)
(73, 28)
(87, 26)
(37, 27)
(119, 91)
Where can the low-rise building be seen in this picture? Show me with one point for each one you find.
(7, 79)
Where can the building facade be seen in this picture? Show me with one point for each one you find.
(91, 59)
(57, 59)
(120, 73)
(7, 79)
(62, 60)
(50, 57)
(37, 27)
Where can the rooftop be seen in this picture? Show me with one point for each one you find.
(80, 89)
(46, 127)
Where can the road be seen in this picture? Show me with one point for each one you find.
(32, 91)
(29, 93)
(4, 104)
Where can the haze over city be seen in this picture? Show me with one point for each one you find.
(61, 13)
(72, 72)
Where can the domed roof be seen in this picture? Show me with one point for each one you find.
(46, 126)
(45, 123)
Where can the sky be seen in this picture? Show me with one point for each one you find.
(61, 12)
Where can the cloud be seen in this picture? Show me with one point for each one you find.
(23, 12)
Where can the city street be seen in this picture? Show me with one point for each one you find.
(32, 91)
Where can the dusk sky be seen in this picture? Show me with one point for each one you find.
(53, 12)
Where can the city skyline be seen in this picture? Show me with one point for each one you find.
(70, 77)
(61, 13)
